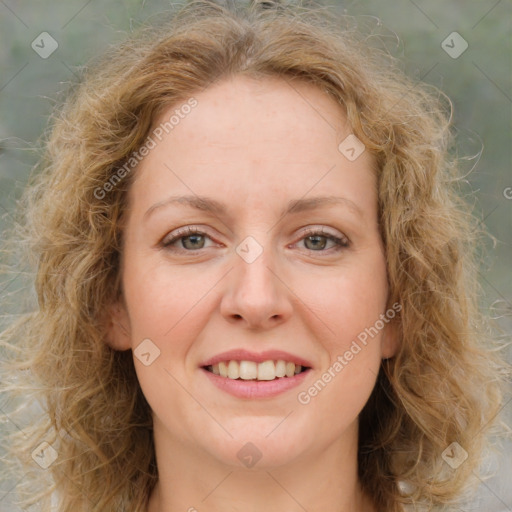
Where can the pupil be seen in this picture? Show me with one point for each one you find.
(194, 239)
(316, 239)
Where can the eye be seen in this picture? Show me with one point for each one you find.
(317, 240)
(191, 239)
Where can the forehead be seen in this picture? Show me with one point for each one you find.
(255, 142)
(243, 113)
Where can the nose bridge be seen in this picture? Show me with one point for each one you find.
(255, 293)
(253, 273)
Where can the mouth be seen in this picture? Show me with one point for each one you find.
(269, 370)
(252, 375)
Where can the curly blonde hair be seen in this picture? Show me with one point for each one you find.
(443, 385)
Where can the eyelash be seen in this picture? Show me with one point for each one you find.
(341, 243)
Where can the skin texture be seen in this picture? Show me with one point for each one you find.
(255, 146)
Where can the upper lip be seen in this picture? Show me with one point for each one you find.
(244, 355)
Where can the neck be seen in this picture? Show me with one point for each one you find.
(193, 481)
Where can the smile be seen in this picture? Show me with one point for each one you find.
(250, 370)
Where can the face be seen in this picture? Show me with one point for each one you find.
(254, 266)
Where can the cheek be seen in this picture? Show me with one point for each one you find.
(168, 307)
(354, 304)
(163, 301)
(347, 302)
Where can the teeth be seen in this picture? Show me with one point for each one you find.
(280, 368)
(249, 370)
(290, 369)
(233, 370)
(223, 369)
(267, 370)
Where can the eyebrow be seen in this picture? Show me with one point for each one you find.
(210, 205)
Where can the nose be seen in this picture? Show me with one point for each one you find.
(256, 296)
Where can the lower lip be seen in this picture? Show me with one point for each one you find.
(256, 389)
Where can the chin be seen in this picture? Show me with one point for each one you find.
(259, 444)
(256, 456)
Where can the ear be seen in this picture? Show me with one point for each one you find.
(117, 327)
(390, 342)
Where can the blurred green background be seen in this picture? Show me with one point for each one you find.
(478, 83)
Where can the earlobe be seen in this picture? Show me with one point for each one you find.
(390, 341)
(117, 326)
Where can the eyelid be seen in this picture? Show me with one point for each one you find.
(183, 232)
(320, 230)
(341, 240)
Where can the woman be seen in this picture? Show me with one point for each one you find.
(255, 279)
